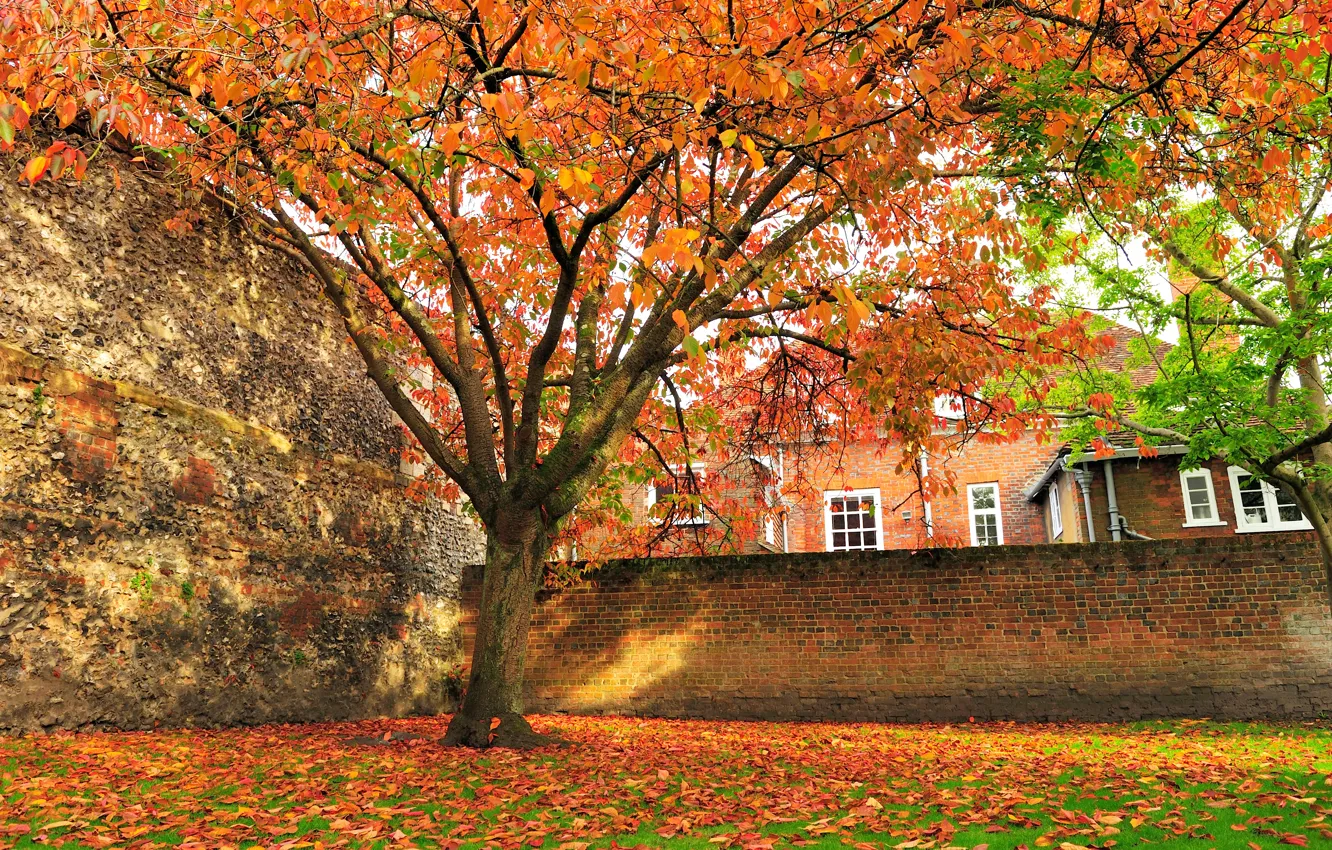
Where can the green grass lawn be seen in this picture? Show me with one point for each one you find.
(678, 784)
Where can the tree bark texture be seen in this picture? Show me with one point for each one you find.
(516, 550)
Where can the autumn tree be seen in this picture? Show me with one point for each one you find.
(1224, 178)
(579, 220)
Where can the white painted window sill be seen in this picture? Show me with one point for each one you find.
(1212, 523)
(1267, 529)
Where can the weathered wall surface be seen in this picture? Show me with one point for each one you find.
(91, 276)
(1219, 627)
(201, 520)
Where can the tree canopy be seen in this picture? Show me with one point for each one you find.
(576, 217)
(1229, 194)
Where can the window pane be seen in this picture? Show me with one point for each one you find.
(982, 498)
(1287, 508)
(986, 530)
(851, 519)
(1253, 500)
(1196, 496)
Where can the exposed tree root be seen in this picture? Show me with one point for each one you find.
(513, 733)
(467, 731)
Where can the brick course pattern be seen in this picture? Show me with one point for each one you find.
(1220, 627)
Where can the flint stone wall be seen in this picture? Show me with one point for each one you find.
(202, 520)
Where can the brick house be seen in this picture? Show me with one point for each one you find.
(854, 496)
(1128, 496)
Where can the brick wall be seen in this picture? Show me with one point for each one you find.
(1151, 498)
(874, 465)
(1222, 627)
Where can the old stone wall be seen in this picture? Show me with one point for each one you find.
(1233, 627)
(162, 563)
(202, 519)
(124, 276)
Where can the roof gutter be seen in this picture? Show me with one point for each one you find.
(1066, 460)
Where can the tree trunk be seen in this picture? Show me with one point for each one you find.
(516, 551)
(1321, 518)
(1316, 503)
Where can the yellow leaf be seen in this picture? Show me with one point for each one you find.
(856, 312)
(728, 138)
(754, 157)
(566, 179)
(35, 169)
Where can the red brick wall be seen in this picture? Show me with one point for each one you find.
(1232, 626)
(874, 465)
(863, 465)
(1151, 499)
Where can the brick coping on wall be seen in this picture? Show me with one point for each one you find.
(1100, 556)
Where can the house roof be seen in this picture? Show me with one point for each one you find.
(1123, 352)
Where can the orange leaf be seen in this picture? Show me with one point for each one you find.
(36, 168)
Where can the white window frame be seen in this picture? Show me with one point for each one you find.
(1189, 522)
(829, 495)
(1055, 502)
(697, 520)
(1242, 524)
(998, 511)
(772, 497)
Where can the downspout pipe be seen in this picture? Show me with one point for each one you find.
(1131, 534)
(1111, 497)
(1084, 476)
